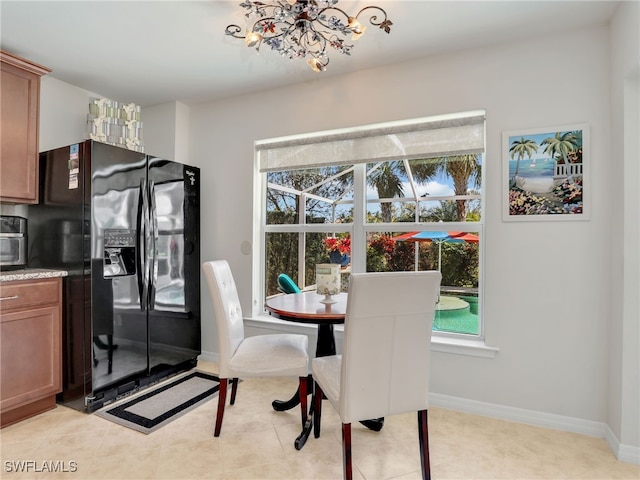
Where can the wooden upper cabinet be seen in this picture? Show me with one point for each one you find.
(20, 112)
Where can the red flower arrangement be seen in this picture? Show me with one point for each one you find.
(341, 245)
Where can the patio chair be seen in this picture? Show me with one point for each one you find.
(286, 284)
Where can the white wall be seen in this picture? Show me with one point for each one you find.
(63, 118)
(548, 303)
(623, 414)
(165, 131)
(63, 113)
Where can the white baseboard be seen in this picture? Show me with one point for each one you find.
(624, 453)
(549, 420)
(209, 357)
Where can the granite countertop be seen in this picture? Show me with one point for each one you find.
(30, 274)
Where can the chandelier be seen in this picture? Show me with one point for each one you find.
(304, 28)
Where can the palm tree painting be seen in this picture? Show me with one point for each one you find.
(551, 185)
(521, 148)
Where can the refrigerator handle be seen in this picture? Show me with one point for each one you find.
(141, 225)
(154, 239)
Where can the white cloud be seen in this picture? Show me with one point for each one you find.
(432, 188)
(435, 189)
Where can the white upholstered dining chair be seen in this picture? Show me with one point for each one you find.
(277, 355)
(384, 366)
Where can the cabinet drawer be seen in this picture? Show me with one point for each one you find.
(29, 293)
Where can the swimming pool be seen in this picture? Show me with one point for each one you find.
(458, 314)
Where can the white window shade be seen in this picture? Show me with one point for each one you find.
(440, 136)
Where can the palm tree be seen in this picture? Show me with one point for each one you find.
(521, 148)
(561, 144)
(386, 180)
(461, 169)
(446, 212)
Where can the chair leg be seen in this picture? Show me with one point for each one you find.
(423, 434)
(317, 409)
(346, 451)
(222, 399)
(302, 389)
(234, 389)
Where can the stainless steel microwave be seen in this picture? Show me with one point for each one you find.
(13, 242)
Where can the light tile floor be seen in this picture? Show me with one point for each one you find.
(257, 443)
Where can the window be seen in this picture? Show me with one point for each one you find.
(388, 197)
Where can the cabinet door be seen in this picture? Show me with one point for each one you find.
(19, 112)
(30, 363)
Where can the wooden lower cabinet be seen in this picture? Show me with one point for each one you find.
(30, 348)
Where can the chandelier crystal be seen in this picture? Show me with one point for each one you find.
(305, 28)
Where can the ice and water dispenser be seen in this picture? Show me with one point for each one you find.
(119, 252)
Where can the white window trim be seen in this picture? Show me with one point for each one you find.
(441, 341)
(456, 345)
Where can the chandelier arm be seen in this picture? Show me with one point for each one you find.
(373, 16)
(261, 8)
(346, 15)
(385, 24)
(317, 41)
(233, 30)
(326, 25)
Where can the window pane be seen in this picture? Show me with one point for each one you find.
(281, 254)
(325, 194)
(444, 189)
(328, 248)
(314, 253)
(282, 257)
(454, 254)
(458, 177)
(386, 255)
(281, 207)
(386, 181)
(457, 312)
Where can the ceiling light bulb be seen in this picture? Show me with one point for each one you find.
(252, 38)
(316, 65)
(357, 27)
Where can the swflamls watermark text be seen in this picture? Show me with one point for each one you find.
(43, 466)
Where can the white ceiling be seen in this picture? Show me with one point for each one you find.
(153, 52)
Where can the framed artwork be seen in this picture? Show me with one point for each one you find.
(546, 174)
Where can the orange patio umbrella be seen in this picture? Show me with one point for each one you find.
(439, 238)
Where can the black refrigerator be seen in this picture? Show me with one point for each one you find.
(126, 228)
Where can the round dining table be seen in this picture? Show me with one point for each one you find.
(306, 307)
